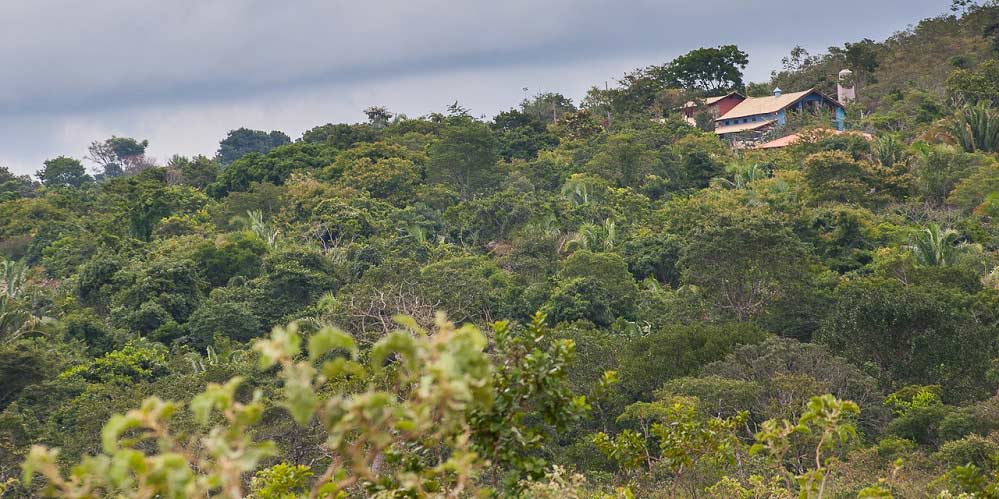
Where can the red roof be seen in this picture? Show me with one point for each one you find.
(807, 135)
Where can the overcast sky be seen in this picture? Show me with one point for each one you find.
(182, 73)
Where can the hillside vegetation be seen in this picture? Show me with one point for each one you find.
(571, 299)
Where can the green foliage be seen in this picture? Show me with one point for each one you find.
(464, 158)
(165, 290)
(828, 421)
(608, 271)
(580, 298)
(531, 398)
(199, 171)
(469, 289)
(134, 362)
(140, 202)
(685, 438)
(235, 255)
(677, 351)
(118, 156)
(935, 246)
(450, 366)
(240, 142)
(661, 260)
(87, 327)
(13, 186)
(976, 128)
(971, 450)
(627, 449)
(655, 256)
(291, 279)
(281, 481)
(744, 265)
(274, 167)
(709, 69)
(939, 169)
(624, 160)
(63, 172)
(980, 84)
(784, 374)
(835, 177)
(391, 178)
(923, 335)
(235, 320)
(341, 136)
(713, 71)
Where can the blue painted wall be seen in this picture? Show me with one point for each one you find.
(749, 119)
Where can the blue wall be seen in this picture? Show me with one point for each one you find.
(748, 119)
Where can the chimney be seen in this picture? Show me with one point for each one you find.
(845, 90)
(777, 92)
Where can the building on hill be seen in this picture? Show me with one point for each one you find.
(751, 117)
(717, 106)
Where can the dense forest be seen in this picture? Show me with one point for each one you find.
(587, 299)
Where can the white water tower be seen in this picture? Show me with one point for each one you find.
(845, 89)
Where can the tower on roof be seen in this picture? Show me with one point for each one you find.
(777, 92)
(845, 88)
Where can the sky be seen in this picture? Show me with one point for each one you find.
(182, 73)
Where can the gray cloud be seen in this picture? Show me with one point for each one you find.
(183, 72)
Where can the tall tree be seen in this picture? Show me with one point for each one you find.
(465, 157)
(745, 264)
(63, 172)
(547, 107)
(118, 155)
(13, 186)
(624, 160)
(861, 57)
(243, 141)
(713, 70)
(378, 116)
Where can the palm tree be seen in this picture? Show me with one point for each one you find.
(744, 175)
(417, 233)
(16, 321)
(254, 222)
(261, 228)
(577, 190)
(595, 237)
(935, 246)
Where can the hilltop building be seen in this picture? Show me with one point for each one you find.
(717, 106)
(758, 114)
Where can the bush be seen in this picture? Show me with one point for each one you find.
(234, 320)
(972, 449)
(90, 329)
(580, 299)
(647, 362)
